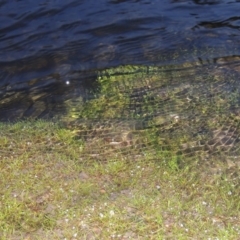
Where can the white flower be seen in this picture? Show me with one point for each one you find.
(111, 213)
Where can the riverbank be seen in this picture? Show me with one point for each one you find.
(51, 190)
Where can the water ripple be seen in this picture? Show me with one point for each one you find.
(37, 38)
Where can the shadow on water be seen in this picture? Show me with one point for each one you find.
(44, 97)
(51, 52)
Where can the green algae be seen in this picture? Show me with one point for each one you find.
(185, 110)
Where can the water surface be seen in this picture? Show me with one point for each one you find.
(51, 51)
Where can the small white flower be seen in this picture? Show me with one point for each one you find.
(111, 213)
(75, 235)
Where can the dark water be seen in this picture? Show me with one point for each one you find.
(50, 50)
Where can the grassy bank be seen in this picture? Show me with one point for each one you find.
(152, 154)
(50, 191)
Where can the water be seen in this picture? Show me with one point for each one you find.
(50, 51)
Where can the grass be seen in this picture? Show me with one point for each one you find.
(112, 169)
(50, 191)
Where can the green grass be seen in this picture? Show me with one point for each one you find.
(106, 171)
(50, 190)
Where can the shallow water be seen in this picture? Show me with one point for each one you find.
(50, 51)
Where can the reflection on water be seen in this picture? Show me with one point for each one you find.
(51, 51)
